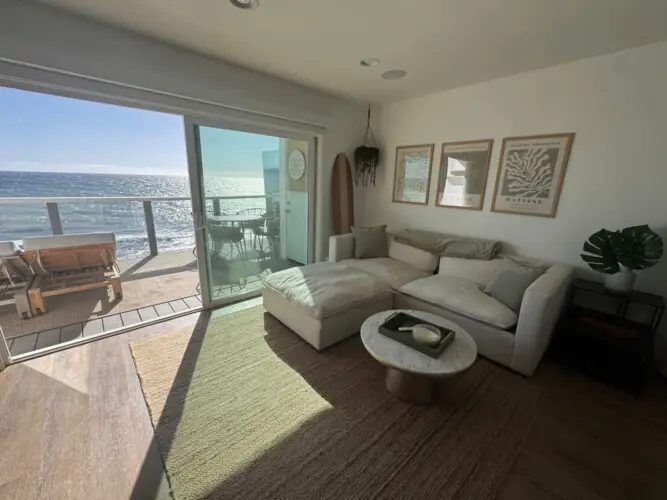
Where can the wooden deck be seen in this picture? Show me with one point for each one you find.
(55, 336)
(154, 287)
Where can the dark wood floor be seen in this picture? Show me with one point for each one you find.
(74, 425)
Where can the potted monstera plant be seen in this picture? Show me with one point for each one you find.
(618, 254)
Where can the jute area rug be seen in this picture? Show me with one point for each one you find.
(243, 408)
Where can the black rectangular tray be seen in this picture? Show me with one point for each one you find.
(400, 319)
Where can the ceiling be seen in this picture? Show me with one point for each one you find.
(442, 44)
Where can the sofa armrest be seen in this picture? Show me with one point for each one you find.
(341, 247)
(540, 310)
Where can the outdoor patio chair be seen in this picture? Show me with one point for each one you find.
(15, 278)
(272, 233)
(71, 263)
(221, 236)
(257, 227)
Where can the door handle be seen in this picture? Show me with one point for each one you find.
(198, 221)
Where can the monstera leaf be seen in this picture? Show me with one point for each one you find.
(636, 247)
(641, 247)
(601, 256)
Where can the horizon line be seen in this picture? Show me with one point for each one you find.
(186, 174)
(90, 173)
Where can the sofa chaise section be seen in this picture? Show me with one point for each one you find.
(324, 303)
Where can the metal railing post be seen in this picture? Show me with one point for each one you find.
(216, 206)
(54, 217)
(150, 227)
(5, 356)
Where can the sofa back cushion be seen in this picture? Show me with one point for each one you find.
(421, 259)
(527, 261)
(449, 245)
(479, 272)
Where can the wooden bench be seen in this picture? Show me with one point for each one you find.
(73, 263)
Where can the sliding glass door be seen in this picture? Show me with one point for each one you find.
(253, 205)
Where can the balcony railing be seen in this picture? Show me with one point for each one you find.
(52, 205)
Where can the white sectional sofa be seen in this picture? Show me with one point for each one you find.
(517, 341)
(327, 302)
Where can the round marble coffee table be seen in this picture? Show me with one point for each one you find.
(411, 375)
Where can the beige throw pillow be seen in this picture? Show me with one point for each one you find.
(370, 242)
(510, 282)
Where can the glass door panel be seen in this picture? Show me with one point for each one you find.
(252, 207)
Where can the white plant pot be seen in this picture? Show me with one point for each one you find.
(620, 282)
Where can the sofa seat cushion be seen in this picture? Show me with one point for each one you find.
(462, 297)
(326, 289)
(392, 272)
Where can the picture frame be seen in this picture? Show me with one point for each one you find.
(412, 174)
(531, 170)
(464, 170)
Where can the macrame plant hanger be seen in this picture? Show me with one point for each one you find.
(366, 157)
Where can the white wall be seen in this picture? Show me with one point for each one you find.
(95, 57)
(617, 174)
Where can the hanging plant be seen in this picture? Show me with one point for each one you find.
(366, 157)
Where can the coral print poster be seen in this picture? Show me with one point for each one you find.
(531, 173)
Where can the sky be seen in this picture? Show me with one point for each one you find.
(46, 133)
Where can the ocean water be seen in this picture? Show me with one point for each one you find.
(173, 220)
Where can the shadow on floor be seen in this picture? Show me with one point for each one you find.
(150, 480)
(131, 273)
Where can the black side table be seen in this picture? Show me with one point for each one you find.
(608, 346)
(622, 300)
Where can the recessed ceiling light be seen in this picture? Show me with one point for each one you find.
(245, 4)
(370, 61)
(393, 74)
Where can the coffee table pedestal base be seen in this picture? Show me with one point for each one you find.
(417, 389)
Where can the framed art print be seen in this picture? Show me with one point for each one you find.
(530, 174)
(464, 167)
(412, 174)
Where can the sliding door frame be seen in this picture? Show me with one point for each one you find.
(64, 84)
(195, 171)
(5, 356)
